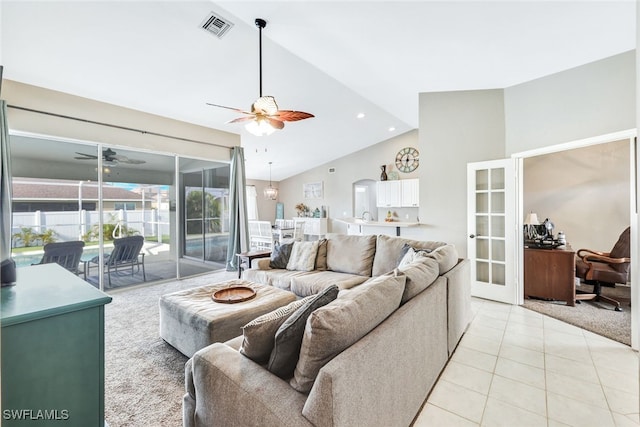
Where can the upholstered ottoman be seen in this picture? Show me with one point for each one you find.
(191, 320)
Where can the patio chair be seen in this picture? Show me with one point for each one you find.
(260, 235)
(126, 254)
(67, 254)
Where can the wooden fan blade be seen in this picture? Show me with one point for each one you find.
(275, 123)
(242, 119)
(292, 116)
(230, 108)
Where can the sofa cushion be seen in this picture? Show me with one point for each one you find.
(446, 256)
(280, 255)
(316, 281)
(259, 334)
(278, 278)
(303, 256)
(351, 254)
(338, 325)
(421, 273)
(321, 258)
(388, 250)
(288, 338)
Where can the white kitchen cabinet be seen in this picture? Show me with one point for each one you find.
(389, 193)
(410, 193)
(399, 193)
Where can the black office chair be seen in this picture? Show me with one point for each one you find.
(607, 268)
(67, 254)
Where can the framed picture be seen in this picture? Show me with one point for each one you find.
(312, 190)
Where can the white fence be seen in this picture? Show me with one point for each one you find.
(73, 225)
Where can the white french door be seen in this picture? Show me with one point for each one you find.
(491, 226)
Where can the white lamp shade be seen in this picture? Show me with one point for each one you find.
(531, 219)
(259, 128)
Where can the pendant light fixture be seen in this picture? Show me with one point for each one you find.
(270, 193)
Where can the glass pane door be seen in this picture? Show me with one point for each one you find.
(491, 193)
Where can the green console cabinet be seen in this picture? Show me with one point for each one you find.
(52, 350)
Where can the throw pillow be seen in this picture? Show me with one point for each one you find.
(447, 257)
(303, 256)
(351, 254)
(411, 255)
(321, 258)
(280, 256)
(259, 334)
(421, 273)
(336, 326)
(288, 338)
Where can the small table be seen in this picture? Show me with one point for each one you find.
(248, 257)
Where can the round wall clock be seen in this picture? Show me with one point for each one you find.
(407, 159)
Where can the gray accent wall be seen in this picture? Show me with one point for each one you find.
(591, 100)
(456, 128)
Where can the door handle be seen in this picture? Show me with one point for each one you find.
(471, 236)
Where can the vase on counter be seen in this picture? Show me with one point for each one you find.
(383, 175)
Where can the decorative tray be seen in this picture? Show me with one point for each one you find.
(233, 294)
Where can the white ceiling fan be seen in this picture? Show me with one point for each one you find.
(265, 117)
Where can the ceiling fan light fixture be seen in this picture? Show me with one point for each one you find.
(265, 116)
(259, 128)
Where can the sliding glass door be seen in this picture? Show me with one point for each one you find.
(206, 213)
(68, 190)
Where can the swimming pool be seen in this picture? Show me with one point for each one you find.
(28, 258)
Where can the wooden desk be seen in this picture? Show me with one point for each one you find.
(247, 257)
(550, 273)
(52, 348)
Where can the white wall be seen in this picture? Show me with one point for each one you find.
(266, 208)
(23, 95)
(594, 99)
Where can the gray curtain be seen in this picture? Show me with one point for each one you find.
(238, 225)
(5, 185)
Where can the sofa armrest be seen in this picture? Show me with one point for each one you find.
(225, 388)
(365, 385)
(458, 301)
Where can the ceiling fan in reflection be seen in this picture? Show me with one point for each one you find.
(110, 158)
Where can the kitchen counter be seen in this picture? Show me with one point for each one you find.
(358, 221)
(359, 226)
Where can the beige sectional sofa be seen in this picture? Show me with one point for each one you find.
(369, 357)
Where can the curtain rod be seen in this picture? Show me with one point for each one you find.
(144, 132)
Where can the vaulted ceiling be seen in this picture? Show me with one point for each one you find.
(335, 59)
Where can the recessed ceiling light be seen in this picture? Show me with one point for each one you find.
(391, 129)
(360, 115)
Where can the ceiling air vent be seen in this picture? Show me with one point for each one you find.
(216, 25)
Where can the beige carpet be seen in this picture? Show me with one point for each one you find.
(144, 376)
(597, 317)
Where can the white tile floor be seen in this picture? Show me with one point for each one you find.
(515, 367)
